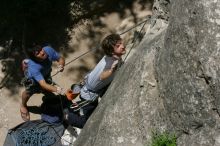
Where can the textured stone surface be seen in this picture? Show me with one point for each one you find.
(188, 71)
(171, 82)
(131, 109)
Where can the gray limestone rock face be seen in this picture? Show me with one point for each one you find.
(188, 71)
(170, 83)
(131, 109)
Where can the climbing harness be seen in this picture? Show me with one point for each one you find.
(34, 135)
(77, 107)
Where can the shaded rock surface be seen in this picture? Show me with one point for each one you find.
(170, 83)
(188, 71)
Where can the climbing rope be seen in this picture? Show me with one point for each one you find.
(34, 136)
(135, 26)
(37, 135)
(134, 40)
(87, 52)
(76, 59)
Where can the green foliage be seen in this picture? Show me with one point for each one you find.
(163, 139)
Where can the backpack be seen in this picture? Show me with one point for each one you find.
(35, 133)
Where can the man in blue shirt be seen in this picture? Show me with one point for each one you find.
(37, 72)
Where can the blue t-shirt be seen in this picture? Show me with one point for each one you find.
(39, 70)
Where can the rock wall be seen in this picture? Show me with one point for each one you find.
(171, 82)
(188, 71)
